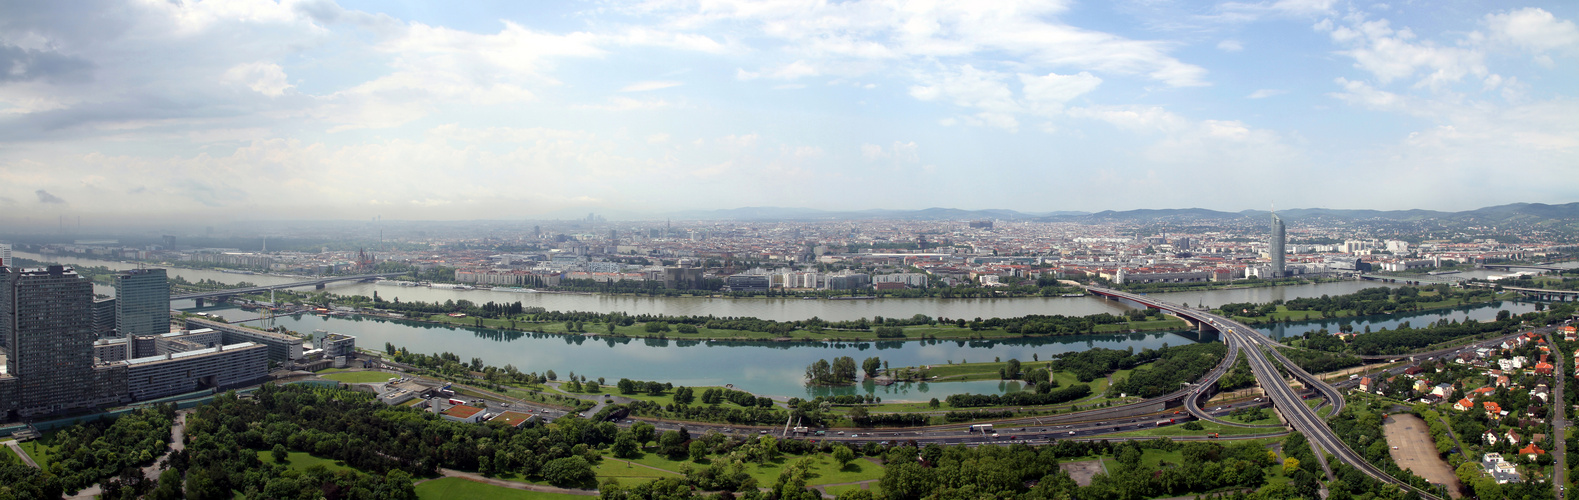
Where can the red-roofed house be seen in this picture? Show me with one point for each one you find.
(1531, 451)
(1543, 368)
(1493, 410)
(1464, 405)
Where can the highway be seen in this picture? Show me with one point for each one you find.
(1288, 403)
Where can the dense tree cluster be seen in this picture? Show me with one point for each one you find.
(88, 453)
(1064, 395)
(1320, 362)
(1171, 366)
(841, 371)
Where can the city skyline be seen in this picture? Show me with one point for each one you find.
(221, 111)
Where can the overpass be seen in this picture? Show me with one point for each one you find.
(1289, 403)
(318, 283)
(1539, 293)
(1426, 279)
(1511, 267)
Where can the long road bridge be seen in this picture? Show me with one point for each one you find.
(1290, 404)
(1511, 267)
(1539, 293)
(318, 283)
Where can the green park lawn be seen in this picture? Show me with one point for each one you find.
(301, 461)
(825, 469)
(837, 490)
(10, 455)
(359, 377)
(629, 473)
(454, 488)
(1178, 430)
(39, 450)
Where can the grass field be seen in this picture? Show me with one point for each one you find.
(825, 469)
(10, 456)
(836, 490)
(42, 453)
(301, 461)
(454, 488)
(359, 377)
(1177, 430)
(627, 473)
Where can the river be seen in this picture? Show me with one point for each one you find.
(779, 309)
(766, 368)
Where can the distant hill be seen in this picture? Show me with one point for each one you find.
(1525, 212)
(782, 213)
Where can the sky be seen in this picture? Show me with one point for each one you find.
(237, 110)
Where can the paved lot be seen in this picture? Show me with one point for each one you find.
(1082, 471)
(1413, 449)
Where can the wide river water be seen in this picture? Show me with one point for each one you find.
(766, 368)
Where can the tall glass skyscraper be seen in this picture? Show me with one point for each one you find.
(142, 302)
(1279, 237)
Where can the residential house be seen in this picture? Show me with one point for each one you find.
(1501, 470)
(1532, 451)
(1464, 405)
(1493, 410)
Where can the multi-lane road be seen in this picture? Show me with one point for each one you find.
(1289, 403)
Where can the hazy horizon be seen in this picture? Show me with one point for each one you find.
(150, 112)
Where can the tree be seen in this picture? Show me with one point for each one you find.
(551, 376)
(643, 432)
(870, 366)
(933, 403)
(281, 456)
(625, 445)
(843, 454)
(843, 370)
(1290, 465)
(169, 487)
(698, 451)
(568, 471)
(1012, 370)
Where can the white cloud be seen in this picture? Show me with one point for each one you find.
(650, 85)
(1048, 93)
(1230, 46)
(1265, 93)
(1533, 29)
(819, 37)
(791, 71)
(264, 78)
(1393, 54)
(622, 103)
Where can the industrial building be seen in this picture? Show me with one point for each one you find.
(282, 348)
(182, 372)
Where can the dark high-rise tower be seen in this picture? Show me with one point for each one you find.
(142, 302)
(1277, 251)
(46, 317)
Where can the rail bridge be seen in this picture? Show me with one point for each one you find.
(317, 283)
